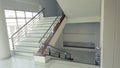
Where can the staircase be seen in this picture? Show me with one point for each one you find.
(33, 38)
(29, 45)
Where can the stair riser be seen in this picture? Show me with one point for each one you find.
(36, 32)
(39, 35)
(39, 29)
(24, 54)
(29, 49)
(29, 44)
(31, 39)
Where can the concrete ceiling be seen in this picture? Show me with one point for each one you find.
(81, 8)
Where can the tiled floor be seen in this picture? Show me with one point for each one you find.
(19, 62)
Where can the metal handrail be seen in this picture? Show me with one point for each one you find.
(48, 29)
(65, 53)
(27, 23)
(59, 49)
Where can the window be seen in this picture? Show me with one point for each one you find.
(16, 19)
(9, 13)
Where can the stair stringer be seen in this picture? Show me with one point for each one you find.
(58, 33)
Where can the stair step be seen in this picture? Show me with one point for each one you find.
(33, 46)
(43, 24)
(35, 31)
(31, 39)
(22, 53)
(46, 21)
(36, 35)
(27, 49)
(39, 28)
(36, 44)
(29, 45)
(45, 18)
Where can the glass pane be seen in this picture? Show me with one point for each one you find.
(11, 21)
(9, 13)
(20, 14)
(35, 20)
(28, 14)
(34, 13)
(27, 20)
(21, 21)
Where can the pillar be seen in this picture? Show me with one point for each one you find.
(110, 34)
(4, 43)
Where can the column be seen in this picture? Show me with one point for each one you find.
(4, 43)
(110, 34)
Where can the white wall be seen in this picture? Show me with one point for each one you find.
(57, 34)
(110, 34)
(84, 19)
(28, 5)
(80, 8)
(59, 42)
(82, 32)
(4, 45)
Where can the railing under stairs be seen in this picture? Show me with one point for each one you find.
(44, 47)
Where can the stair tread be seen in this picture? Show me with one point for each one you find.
(27, 49)
(23, 51)
(29, 45)
(26, 46)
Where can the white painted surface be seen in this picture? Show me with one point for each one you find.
(117, 36)
(58, 32)
(40, 59)
(17, 62)
(84, 19)
(80, 8)
(110, 34)
(4, 43)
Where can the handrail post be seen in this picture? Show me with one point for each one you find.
(59, 55)
(65, 55)
(49, 51)
(13, 46)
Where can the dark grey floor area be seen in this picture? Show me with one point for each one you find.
(83, 56)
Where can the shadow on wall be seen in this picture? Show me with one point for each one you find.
(52, 8)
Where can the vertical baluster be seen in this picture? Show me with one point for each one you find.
(59, 55)
(70, 56)
(49, 51)
(13, 46)
(65, 55)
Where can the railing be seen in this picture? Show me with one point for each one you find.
(46, 49)
(20, 33)
(44, 41)
(56, 52)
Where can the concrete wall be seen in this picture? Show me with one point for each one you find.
(110, 34)
(4, 43)
(51, 8)
(28, 5)
(59, 42)
(80, 8)
(82, 32)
